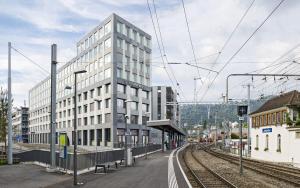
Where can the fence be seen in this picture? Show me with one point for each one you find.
(85, 160)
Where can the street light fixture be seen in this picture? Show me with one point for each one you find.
(75, 125)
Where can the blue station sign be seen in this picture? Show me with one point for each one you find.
(267, 130)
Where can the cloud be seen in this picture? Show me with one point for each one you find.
(65, 21)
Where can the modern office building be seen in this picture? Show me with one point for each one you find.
(116, 55)
(275, 131)
(20, 124)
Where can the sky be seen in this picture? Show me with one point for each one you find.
(33, 25)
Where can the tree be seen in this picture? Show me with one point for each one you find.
(3, 115)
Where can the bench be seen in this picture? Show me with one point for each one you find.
(106, 166)
(122, 160)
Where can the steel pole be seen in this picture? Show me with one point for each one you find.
(248, 121)
(53, 106)
(241, 147)
(126, 134)
(216, 129)
(9, 114)
(75, 132)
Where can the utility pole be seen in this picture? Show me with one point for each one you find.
(53, 107)
(9, 152)
(216, 129)
(241, 146)
(248, 121)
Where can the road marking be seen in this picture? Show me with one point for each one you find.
(182, 172)
(172, 181)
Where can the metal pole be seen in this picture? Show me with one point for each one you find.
(241, 146)
(9, 152)
(126, 133)
(75, 132)
(53, 106)
(248, 121)
(216, 129)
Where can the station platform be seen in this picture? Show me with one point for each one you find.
(159, 170)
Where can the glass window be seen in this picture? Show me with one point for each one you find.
(119, 43)
(101, 33)
(121, 88)
(134, 105)
(99, 119)
(107, 59)
(107, 73)
(145, 107)
(107, 118)
(107, 28)
(92, 120)
(278, 143)
(107, 103)
(119, 27)
(119, 73)
(107, 43)
(120, 103)
(134, 119)
(107, 88)
(99, 104)
(134, 91)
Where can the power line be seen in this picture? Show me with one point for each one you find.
(163, 48)
(233, 56)
(30, 60)
(231, 35)
(190, 37)
(160, 51)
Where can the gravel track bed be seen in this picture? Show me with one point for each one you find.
(231, 172)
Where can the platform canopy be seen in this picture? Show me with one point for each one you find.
(166, 125)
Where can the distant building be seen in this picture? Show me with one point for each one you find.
(164, 104)
(116, 55)
(274, 135)
(164, 107)
(20, 124)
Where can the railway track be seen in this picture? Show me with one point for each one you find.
(200, 175)
(285, 174)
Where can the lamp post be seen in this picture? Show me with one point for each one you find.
(75, 125)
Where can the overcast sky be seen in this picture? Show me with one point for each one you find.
(32, 26)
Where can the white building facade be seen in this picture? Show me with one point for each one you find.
(116, 56)
(274, 134)
(20, 124)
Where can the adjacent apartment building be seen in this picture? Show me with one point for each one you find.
(164, 107)
(116, 55)
(275, 130)
(164, 104)
(20, 124)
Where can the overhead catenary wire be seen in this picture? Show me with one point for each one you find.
(231, 35)
(190, 39)
(164, 51)
(159, 48)
(242, 46)
(30, 60)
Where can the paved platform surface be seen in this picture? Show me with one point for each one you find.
(28, 176)
(147, 173)
(159, 170)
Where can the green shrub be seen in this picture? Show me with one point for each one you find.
(297, 123)
(289, 122)
(266, 149)
(256, 148)
(234, 136)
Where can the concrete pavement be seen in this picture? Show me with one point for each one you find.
(160, 170)
(28, 176)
